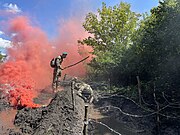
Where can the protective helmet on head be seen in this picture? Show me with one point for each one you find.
(64, 53)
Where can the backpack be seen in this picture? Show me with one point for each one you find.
(53, 63)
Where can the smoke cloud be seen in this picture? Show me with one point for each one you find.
(27, 70)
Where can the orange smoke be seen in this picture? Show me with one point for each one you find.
(70, 32)
(27, 69)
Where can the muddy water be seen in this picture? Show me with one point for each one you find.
(6, 121)
(111, 122)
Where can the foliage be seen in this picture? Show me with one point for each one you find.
(125, 47)
(150, 48)
(158, 49)
(154, 55)
(111, 32)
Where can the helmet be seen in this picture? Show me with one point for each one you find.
(64, 53)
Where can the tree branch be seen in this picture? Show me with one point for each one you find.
(128, 114)
(106, 126)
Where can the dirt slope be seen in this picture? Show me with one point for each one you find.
(58, 118)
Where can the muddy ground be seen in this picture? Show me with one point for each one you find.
(4, 105)
(121, 115)
(60, 117)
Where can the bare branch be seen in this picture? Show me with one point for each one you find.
(170, 103)
(133, 115)
(134, 130)
(140, 116)
(148, 110)
(146, 102)
(106, 126)
(169, 116)
(127, 114)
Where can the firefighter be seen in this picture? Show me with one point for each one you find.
(83, 90)
(57, 70)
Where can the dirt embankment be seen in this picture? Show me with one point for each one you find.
(60, 117)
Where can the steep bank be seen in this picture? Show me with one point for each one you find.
(59, 117)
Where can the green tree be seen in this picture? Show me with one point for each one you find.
(111, 32)
(125, 48)
(157, 47)
(157, 53)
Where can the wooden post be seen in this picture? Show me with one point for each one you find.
(158, 108)
(109, 84)
(72, 94)
(85, 120)
(64, 77)
(139, 89)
